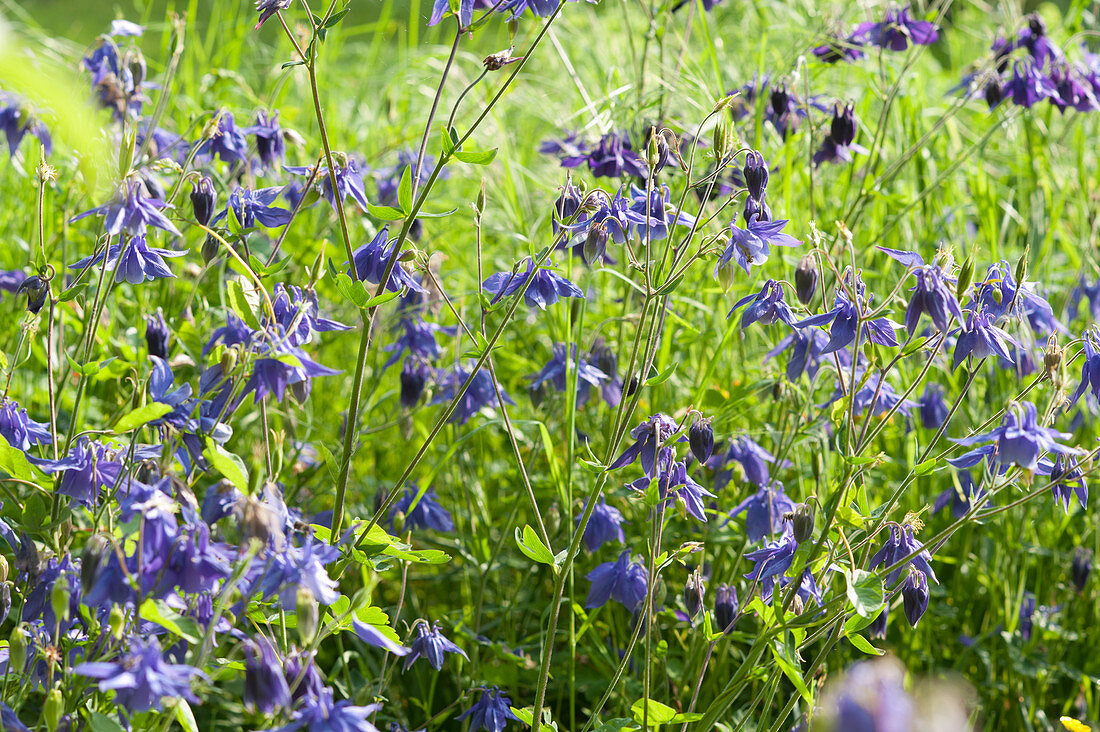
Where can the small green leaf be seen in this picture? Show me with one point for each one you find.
(864, 645)
(663, 376)
(440, 215)
(926, 467)
(13, 461)
(336, 18)
(385, 213)
(382, 299)
(864, 592)
(405, 190)
(141, 416)
(185, 716)
(70, 293)
(476, 158)
(353, 290)
(446, 142)
(616, 725)
(157, 611)
(238, 302)
(658, 713)
(229, 465)
(102, 723)
(532, 547)
(791, 670)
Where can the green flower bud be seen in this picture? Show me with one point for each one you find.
(308, 614)
(59, 598)
(17, 649)
(966, 274)
(53, 709)
(802, 520)
(116, 622)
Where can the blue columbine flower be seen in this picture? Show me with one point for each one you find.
(89, 467)
(874, 393)
(132, 214)
(370, 264)
(839, 145)
(914, 594)
(658, 217)
(141, 678)
(751, 245)
(648, 437)
(933, 408)
(960, 498)
(265, 685)
(252, 206)
(320, 713)
(726, 608)
(480, 394)
(605, 360)
(297, 566)
(427, 513)
(228, 141)
(418, 339)
(980, 338)
(570, 149)
(1019, 440)
(753, 458)
(19, 430)
(1066, 480)
(605, 524)
(767, 306)
(898, 29)
(134, 262)
(1029, 85)
(431, 644)
(1000, 295)
(764, 511)
(807, 349)
(1090, 369)
(545, 288)
(613, 157)
(624, 581)
(900, 544)
(773, 559)
(932, 295)
(16, 121)
(492, 710)
(276, 368)
(674, 484)
(349, 181)
(1027, 614)
(270, 145)
(268, 8)
(845, 319)
(297, 313)
(554, 372)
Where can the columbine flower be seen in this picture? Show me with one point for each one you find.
(980, 338)
(554, 372)
(614, 158)
(674, 484)
(293, 567)
(141, 678)
(268, 8)
(414, 377)
(914, 593)
(726, 608)
(16, 122)
(270, 145)
(658, 217)
(767, 306)
(90, 467)
(19, 430)
(431, 644)
(252, 206)
(1018, 441)
(1066, 481)
(960, 499)
(1000, 295)
(265, 685)
(807, 352)
(753, 458)
(479, 395)
(228, 142)
(349, 182)
(1081, 568)
(134, 262)
(492, 711)
(933, 408)
(570, 149)
(320, 713)
(764, 511)
(605, 360)
(427, 513)
(845, 319)
(932, 294)
(442, 7)
(648, 437)
(900, 544)
(755, 174)
(874, 393)
(605, 524)
(751, 245)
(370, 264)
(298, 314)
(132, 214)
(545, 288)
(276, 369)
(1090, 369)
(774, 559)
(897, 30)
(624, 581)
(1029, 85)
(838, 145)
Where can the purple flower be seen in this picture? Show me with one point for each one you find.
(349, 182)
(1029, 85)
(900, 544)
(270, 145)
(480, 394)
(228, 141)
(845, 319)
(726, 608)
(932, 294)
(431, 644)
(807, 352)
(157, 335)
(605, 524)
(751, 245)
(321, 714)
(614, 158)
(418, 339)
(555, 371)
(624, 581)
(897, 30)
(933, 408)
(134, 262)
(252, 206)
(1027, 614)
(370, 264)
(16, 121)
(980, 338)
(1000, 295)
(753, 458)
(90, 467)
(19, 430)
(132, 214)
(293, 567)
(274, 370)
(874, 393)
(674, 484)
(774, 559)
(648, 437)
(1090, 369)
(1066, 481)
(545, 288)
(297, 314)
(961, 499)
(767, 306)
(414, 377)
(492, 710)
(10, 721)
(141, 678)
(914, 594)
(838, 145)
(426, 513)
(265, 685)
(605, 360)
(655, 219)
(268, 8)
(1019, 440)
(764, 511)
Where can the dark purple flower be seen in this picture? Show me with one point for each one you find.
(297, 314)
(480, 394)
(614, 158)
(431, 644)
(767, 306)
(491, 711)
(701, 439)
(838, 145)
(1066, 481)
(605, 360)
(1081, 568)
(268, 8)
(132, 214)
(933, 408)
(426, 513)
(555, 372)
(1019, 440)
(88, 468)
(141, 678)
(914, 595)
(764, 511)
(755, 174)
(807, 349)
(657, 218)
(1090, 369)
(418, 340)
(276, 369)
(897, 30)
(980, 338)
(134, 262)
(1029, 85)
(203, 200)
(414, 377)
(932, 295)
(320, 713)
(901, 544)
(605, 524)
(370, 264)
(751, 245)
(1027, 615)
(256, 206)
(16, 121)
(960, 498)
(265, 685)
(228, 142)
(9, 721)
(19, 430)
(753, 458)
(726, 608)
(294, 567)
(38, 290)
(624, 581)
(648, 437)
(545, 288)
(845, 319)
(270, 145)
(695, 590)
(773, 559)
(349, 182)
(674, 484)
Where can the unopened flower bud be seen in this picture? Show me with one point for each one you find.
(914, 595)
(5, 600)
(877, 628)
(694, 590)
(966, 274)
(228, 362)
(726, 608)
(307, 614)
(157, 334)
(210, 249)
(725, 275)
(722, 136)
(701, 439)
(59, 598)
(17, 649)
(37, 289)
(3, 569)
(805, 279)
(203, 199)
(802, 521)
(53, 709)
(116, 622)
(1021, 268)
(595, 244)
(414, 376)
(1081, 568)
(755, 173)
